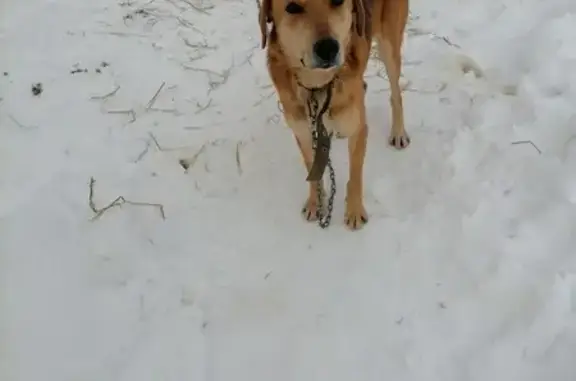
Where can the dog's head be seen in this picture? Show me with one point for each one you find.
(315, 34)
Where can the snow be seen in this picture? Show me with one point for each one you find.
(466, 271)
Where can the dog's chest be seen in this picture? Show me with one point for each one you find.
(343, 121)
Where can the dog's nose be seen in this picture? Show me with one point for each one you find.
(326, 49)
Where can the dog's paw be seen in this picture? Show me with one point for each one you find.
(399, 140)
(310, 209)
(355, 217)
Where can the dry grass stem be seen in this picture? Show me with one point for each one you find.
(153, 99)
(107, 95)
(528, 142)
(117, 202)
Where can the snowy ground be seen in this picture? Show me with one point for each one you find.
(466, 272)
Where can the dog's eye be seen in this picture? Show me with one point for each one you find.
(336, 3)
(294, 8)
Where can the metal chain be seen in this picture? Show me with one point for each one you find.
(317, 124)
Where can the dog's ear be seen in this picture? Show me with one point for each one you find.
(363, 17)
(265, 17)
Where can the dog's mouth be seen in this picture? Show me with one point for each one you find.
(315, 77)
(326, 65)
(321, 64)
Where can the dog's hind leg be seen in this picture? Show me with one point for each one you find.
(390, 38)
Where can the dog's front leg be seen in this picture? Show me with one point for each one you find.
(302, 133)
(356, 216)
(349, 117)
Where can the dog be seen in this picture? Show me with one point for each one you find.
(312, 43)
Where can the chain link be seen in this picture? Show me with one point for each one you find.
(317, 125)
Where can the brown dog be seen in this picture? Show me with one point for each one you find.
(314, 42)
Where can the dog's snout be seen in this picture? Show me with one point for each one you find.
(326, 49)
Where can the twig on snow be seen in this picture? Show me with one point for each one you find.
(528, 142)
(406, 86)
(187, 24)
(164, 149)
(264, 98)
(249, 56)
(215, 79)
(189, 163)
(201, 9)
(440, 88)
(238, 159)
(107, 95)
(20, 125)
(445, 39)
(204, 45)
(122, 34)
(172, 111)
(198, 49)
(128, 112)
(143, 153)
(216, 83)
(158, 146)
(203, 107)
(432, 35)
(175, 5)
(153, 99)
(118, 202)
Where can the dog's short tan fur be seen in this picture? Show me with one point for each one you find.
(352, 24)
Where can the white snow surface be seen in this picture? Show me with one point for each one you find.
(466, 271)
